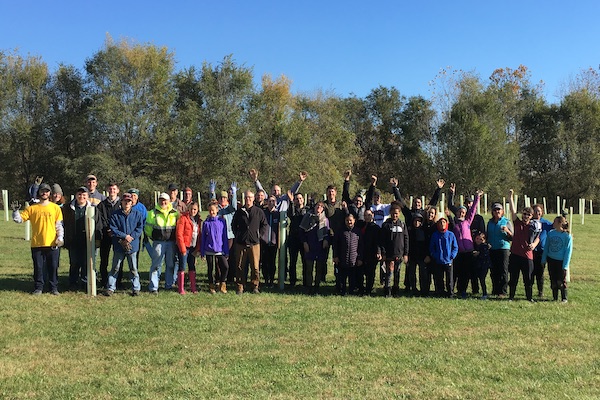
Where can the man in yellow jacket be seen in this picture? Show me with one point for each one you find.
(160, 228)
(47, 235)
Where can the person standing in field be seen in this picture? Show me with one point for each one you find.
(160, 226)
(214, 246)
(74, 221)
(557, 253)
(347, 254)
(126, 225)
(499, 231)
(249, 224)
(394, 249)
(443, 249)
(316, 235)
(105, 210)
(188, 234)
(295, 248)
(47, 236)
(538, 266)
(521, 250)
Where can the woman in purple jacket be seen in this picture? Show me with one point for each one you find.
(464, 265)
(215, 248)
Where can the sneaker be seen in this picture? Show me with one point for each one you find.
(135, 293)
(108, 293)
(564, 301)
(239, 292)
(256, 291)
(154, 292)
(484, 297)
(55, 292)
(36, 292)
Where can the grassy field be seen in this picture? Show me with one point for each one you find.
(292, 346)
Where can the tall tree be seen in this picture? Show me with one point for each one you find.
(23, 117)
(132, 100)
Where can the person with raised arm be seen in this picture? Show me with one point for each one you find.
(521, 250)
(47, 236)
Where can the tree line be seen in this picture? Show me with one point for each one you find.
(131, 117)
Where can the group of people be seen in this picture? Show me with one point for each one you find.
(360, 234)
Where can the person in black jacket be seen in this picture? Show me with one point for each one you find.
(419, 245)
(347, 255)
(294, 241)
(394, 248)
(371, 236)
(105, 209)
(249, 224)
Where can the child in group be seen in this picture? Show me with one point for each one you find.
(394, 248)
(215, 247)
(419, 249)
(557, 252)
(483, 261)
(443, 248)
(347, 255)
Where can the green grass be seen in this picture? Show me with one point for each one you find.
(293, 346)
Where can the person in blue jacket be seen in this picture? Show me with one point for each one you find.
(557, 253)
(443, 248)
(126, 225)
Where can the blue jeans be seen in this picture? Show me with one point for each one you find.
(45, 257)
(163, 250)
(117, 264)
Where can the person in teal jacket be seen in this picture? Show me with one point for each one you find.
(499, 232)
(557, 253)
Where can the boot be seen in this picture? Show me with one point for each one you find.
(555, 294)
(180, 282)
(211, 288)
(563, 295)
(223, 287)
(192, 276)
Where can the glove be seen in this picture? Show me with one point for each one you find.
(15, 205)
(234, 186)
(125, 245)
(212, 186)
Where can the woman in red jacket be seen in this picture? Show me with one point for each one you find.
(188, 235)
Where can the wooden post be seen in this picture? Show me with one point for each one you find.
(557, 205)
(5, 202)
(410, 202)
(90, 227)
(283, 223)
(485, 206)
(199, 202)
(545, 207)
(591, 208)
(443, 203)
(462, 200)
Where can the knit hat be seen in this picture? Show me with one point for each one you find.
(57, 189)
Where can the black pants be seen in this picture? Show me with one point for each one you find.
(295, 249)
(105, 246)
(218, 267)
(369, 269)
(268, 254)
(558, 279)
(499, 271)
(411, 272)
(516, 266)
(538, 272)
(425, 277)
(463, 268)
(444, 288)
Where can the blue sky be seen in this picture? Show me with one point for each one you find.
(340, 46)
